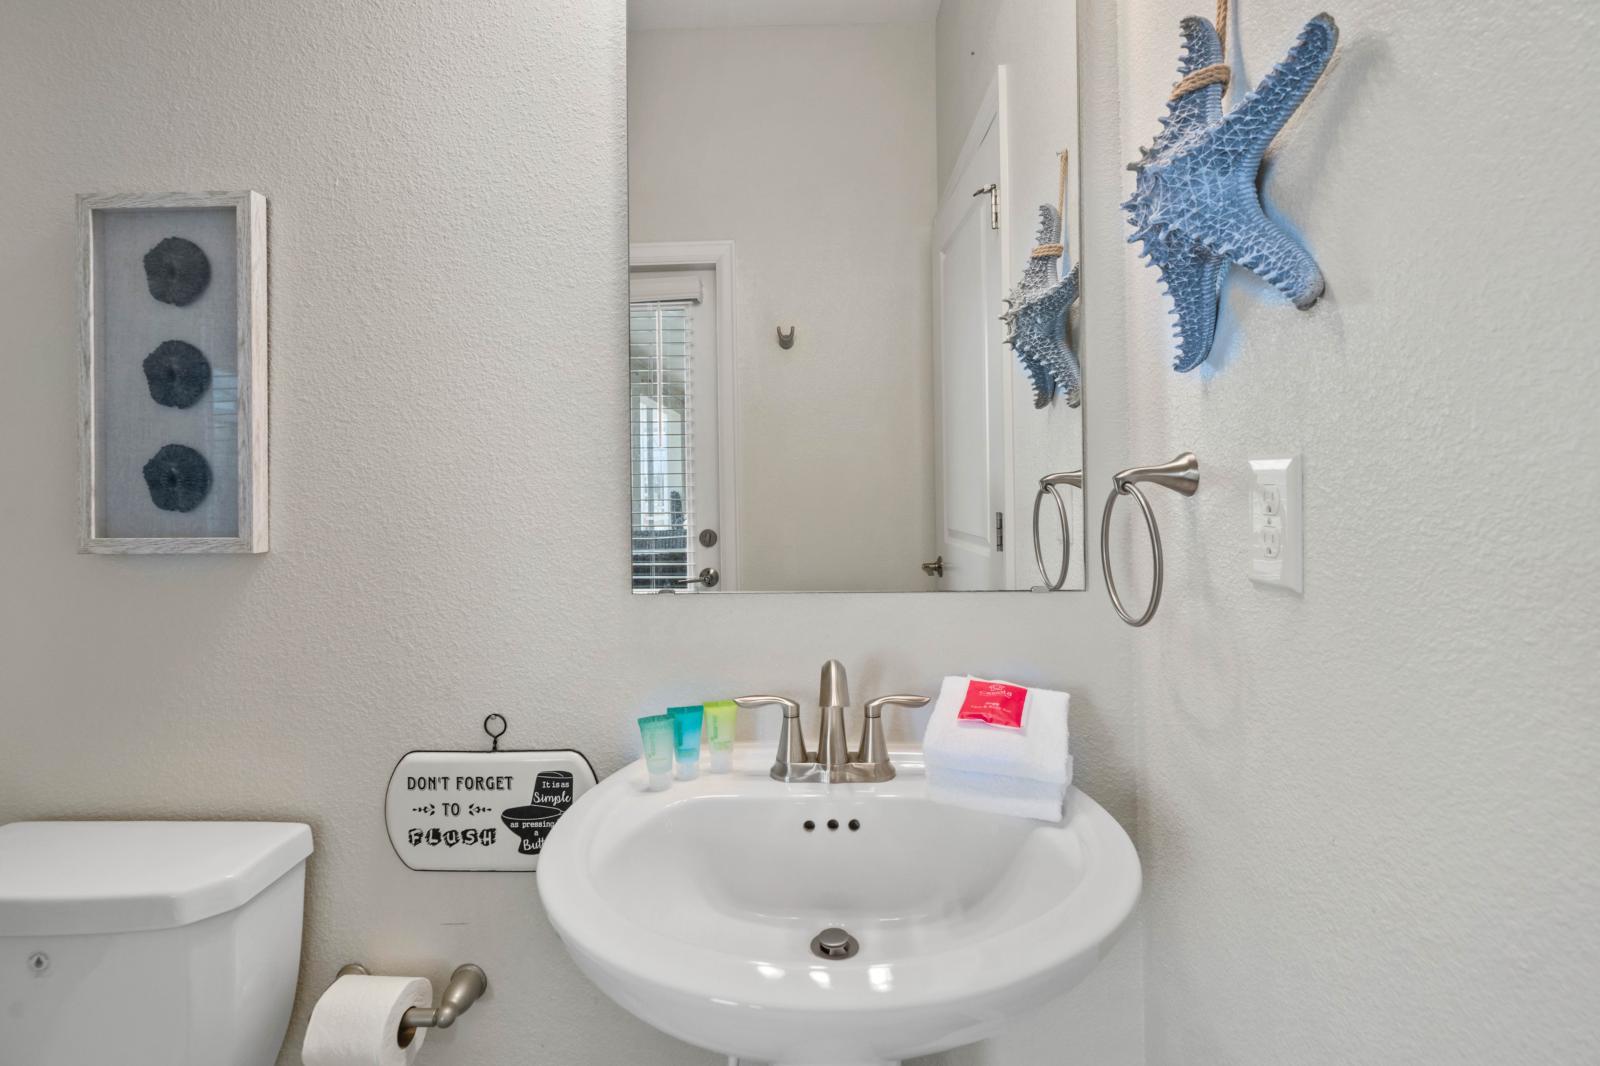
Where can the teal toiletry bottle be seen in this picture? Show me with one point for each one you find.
(656, 730)
(686, 724)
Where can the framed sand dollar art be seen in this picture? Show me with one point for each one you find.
(173, 388)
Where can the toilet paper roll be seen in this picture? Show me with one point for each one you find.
(357, 1022)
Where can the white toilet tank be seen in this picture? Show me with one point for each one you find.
(149, 943)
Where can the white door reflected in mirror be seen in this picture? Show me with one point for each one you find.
(972, 423)
(807, 171)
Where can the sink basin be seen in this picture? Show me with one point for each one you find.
(696, 909)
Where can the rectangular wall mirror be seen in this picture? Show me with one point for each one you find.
(830, 201)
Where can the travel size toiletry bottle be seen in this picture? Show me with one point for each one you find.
(719, 722)
(656, 729)
(686, 724)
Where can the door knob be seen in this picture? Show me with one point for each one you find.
(709, 578)
(935, 568)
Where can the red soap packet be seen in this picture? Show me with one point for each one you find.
(993, 703)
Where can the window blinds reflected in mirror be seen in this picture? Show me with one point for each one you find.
(661, 350)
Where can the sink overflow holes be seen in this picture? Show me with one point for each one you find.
(833, 823)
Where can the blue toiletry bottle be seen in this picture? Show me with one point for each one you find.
(686, 726)
(657, 733)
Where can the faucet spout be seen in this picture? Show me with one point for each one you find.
(835, 691)
(833, 746)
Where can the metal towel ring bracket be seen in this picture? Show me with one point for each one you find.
(1180, 475)
(1047, 484)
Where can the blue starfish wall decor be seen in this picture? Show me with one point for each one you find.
(1036, 316)
(1196, 206)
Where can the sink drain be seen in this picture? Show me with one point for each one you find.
(834, 944)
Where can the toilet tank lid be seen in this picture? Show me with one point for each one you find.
(61, 878)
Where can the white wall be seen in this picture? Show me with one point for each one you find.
(812, 149)
(1368, 813)
(449, 270)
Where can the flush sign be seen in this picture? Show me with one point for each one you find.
(480, 810)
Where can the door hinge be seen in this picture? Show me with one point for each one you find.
(993, 192)
(999, 531)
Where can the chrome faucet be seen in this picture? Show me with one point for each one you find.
(834, 760)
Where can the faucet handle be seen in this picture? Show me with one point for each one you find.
(791, 709)
(792, 742)
(875, 707)
(874, 752)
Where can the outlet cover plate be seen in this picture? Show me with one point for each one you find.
(1277, 523)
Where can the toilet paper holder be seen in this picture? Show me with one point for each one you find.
(467, 983)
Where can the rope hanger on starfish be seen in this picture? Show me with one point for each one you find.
(1059, 248)
(1215, 74)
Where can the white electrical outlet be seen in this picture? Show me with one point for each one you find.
(1276, 523)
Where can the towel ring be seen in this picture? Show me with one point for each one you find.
(1181, 475)
(1047, 484)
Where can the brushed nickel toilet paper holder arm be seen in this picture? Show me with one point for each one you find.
(467, 984)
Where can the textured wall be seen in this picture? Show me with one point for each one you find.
(1368, 812)
(449, 537)
(812, 149)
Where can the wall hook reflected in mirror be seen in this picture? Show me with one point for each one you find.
(786, 340)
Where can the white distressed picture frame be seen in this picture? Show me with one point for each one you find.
(250, 265)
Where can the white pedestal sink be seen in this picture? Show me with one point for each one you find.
(695, 909)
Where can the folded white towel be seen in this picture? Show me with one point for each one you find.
(1036, 752)
(1014, 796)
